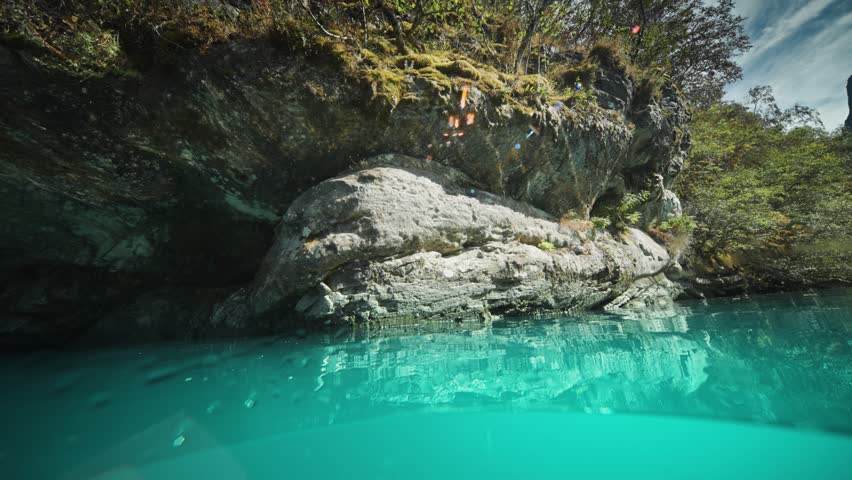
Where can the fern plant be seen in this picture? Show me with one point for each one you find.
(624, 214)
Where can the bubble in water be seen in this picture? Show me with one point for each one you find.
(179, 441)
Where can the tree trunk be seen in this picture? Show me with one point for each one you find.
(397, 27)
(525, 42)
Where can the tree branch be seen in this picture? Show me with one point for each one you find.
(316, 20)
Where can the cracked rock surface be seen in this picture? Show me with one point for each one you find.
(410, 243)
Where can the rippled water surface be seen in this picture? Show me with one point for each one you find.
(739, 388)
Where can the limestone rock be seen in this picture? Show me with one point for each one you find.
(408, 244)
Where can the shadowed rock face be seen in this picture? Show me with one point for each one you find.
(848, 123)
(111, 187)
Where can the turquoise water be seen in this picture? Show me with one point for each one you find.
(739, 388)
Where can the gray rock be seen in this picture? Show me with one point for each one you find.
(848, 123)
(662, 205)
(408, 244)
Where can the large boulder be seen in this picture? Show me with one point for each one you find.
(406, 240)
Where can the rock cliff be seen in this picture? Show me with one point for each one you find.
(848, 123)
(143, 203)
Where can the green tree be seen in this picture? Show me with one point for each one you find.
(769, 193)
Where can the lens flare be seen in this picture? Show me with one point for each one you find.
(533, 131)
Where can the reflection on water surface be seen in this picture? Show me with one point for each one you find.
(778, 360)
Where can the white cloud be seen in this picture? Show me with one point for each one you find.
(785, 25)
(811, 70)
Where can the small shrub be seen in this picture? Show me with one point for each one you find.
(546, 246)
(680, 225)
(600, 222)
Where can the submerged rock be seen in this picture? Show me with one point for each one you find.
(408, 243)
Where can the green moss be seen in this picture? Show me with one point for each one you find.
(460, 68)
(437, 78)
(419, 60)
(370, 59)
(387, 85)
(533, 90)
(381, 45)
(546, 246)
(315, 89)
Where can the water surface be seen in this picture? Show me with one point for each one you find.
(738, 388)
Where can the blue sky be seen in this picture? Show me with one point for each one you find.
(802, 49)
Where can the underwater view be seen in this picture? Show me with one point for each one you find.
(425, 239)
(738, 388)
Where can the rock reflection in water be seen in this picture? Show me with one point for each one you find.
(614, 364)
(786, 361)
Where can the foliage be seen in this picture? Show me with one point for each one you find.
(623, 214)
(546, 246)
(769, 195)
(600, 222)
(97, 37)
(679, 225)
(693, 41)
(685, 40)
